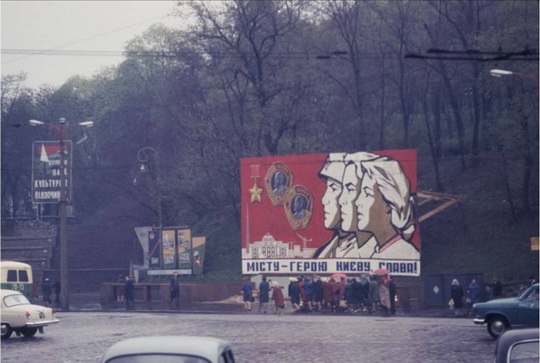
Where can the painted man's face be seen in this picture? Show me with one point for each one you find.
(330, 203)
(370, 204)
(348, 197)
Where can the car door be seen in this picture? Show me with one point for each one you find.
(528, 308)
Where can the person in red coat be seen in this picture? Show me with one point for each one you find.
(277, 297)
(341, 294)
(329, 294)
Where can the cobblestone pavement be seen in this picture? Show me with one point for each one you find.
(85, 336)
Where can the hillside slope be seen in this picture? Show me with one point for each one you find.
(479, 235)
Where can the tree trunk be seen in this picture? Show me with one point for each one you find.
(508, 189)
(455, 109)
(431, 142)
(436, 101)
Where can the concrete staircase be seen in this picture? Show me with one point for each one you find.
(96, 253)
(34, 246)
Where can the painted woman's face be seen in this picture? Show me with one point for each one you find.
(330, 203)
(348, 197)
(370, 204)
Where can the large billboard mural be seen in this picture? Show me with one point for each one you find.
(330, 213)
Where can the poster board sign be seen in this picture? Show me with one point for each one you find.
(328, 213)
(154, 248)
(143, 237)
(169, 248)
(49, 177)
(184, 248)
(199, 244)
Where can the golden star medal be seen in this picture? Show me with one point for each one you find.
(255, 192)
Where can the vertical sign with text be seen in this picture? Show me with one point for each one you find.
(49, 177)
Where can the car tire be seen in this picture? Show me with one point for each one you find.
(6, 331)
(28, 332)
(496, 326)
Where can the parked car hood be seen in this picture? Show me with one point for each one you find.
(498, 302)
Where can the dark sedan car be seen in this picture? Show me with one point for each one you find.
(517, 346)
(502, 314)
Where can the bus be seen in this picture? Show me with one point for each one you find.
(18, 276)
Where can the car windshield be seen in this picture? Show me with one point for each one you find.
(15, 299)
(524, 352)
(530, 294)
(162, 358)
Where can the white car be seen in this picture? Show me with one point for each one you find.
(170, 349)
(22, 317)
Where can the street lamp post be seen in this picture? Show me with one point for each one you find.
(143, 156)
(504, 73)
(61, 129)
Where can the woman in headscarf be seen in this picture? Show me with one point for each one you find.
(294, 290)
(456, 291)
(364, 292)
(384, 294)
(329, 293)
(277, 297)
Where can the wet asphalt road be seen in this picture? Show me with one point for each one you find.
(85, 336)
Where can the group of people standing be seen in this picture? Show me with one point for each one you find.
(460, 298)
(265, 288)
(367, 294)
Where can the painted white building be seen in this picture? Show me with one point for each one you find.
(268, 247)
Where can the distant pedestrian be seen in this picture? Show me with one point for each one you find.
(456, 291)
(532, 280)
(247, 294)
(175, 291)
(57, 286)
(341, 303)
(392, 291)
(364, 292)
(384, 294)
(356, 296)
(473, 295)
(277, 296)
(46, 290)
(295, 294)
(497, 287)
(328, 294)
(374, 293)
(308, 294)
(130, 294)
(264, 295)
(349, 293)
(302, 290)
(317, 293)
(120, 289)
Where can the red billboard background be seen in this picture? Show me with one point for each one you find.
(260, 216)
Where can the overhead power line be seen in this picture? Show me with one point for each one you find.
(39, 52)
(476, 55)
(186, 53)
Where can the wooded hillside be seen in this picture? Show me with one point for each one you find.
(255, 78)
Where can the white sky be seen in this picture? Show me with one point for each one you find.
(73, 25)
